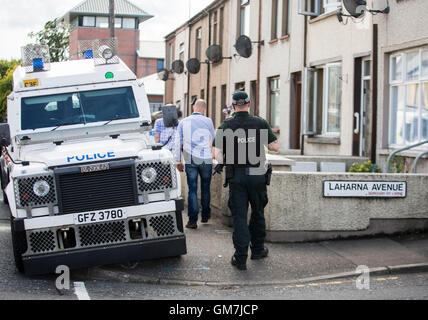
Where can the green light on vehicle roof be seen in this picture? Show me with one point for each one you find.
(109, 75)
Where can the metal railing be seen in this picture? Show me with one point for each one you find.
(407, 148)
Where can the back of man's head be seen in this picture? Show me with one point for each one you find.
(241, 101)
(200, 106)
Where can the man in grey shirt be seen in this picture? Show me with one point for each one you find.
(195, 134)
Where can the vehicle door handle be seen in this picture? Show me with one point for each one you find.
(357, 124)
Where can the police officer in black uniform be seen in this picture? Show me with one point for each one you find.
(239, 146)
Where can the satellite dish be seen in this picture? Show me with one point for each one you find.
(356, 8)
(244, 46)
(163, 75)
(214, 53)
(193, 66)
(178, 66)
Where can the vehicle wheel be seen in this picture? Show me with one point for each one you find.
(4, 181)
(5, 199)
(19, 243)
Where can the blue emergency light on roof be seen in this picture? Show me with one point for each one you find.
(89, 54)
(38, 64)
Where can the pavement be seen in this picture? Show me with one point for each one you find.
(210, 249)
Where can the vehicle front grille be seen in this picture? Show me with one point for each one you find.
(82, 192)
(156, 226)
(42, 241)
(163, 225)
(26, 196)
(165, 180)
(102, 233)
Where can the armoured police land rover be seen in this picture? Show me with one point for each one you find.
(84, 180)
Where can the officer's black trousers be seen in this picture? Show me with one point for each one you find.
(244, 189)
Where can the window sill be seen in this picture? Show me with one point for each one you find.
(286, 37)
(273, 41)
(324, 140)
(325, 16)
(407, 153)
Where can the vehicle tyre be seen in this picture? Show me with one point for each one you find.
(4, 182)
(5, 199)
(19, 243)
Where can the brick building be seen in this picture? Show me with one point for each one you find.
(90, 20)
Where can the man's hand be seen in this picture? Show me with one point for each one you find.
(218, 169)
(180, 166)
(274, 146)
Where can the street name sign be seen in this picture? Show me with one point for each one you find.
(365, 189)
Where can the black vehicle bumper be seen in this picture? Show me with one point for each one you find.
(145, 250)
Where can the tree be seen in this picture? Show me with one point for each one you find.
(6, 77)
(56, 35)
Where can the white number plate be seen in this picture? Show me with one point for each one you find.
(100, 216)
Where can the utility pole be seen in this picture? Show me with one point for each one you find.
(111, 13)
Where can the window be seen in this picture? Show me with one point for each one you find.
(202, 94)
(280, 18)
(331, 5)
(170, 55)
(118, 23)
(102, 22)
(128, 23)
(198, 43)
(78, 108)
(274, 101)
(285, 17)
(322, 99)
(181, 52)
(317, 7)
(240, 86)
(221, 26)
(88, 21)
(160, 65)
(223, 100)
(244, 18)
(215, 28)
(408, 122)
(214, 105)
(333, 98)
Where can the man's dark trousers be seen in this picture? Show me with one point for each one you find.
(244, 189)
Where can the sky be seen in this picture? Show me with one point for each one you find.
(20, 17)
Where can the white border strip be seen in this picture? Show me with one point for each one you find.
(80, 291)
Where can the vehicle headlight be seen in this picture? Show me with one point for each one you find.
(149, 175)
(41, 188)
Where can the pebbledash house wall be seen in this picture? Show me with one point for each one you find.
(281, 57)
(176, 85)
(403, 29)
(181, 88)
(329, 41)
(128, 44)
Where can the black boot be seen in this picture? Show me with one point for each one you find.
(260, 255)
(240, 266)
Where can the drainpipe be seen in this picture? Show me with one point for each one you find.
(259, 50)
(374, 91)
(208, 67)
(188, 111)
(305, 50)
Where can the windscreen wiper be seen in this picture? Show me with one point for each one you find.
(65, 124)
(110, 121)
